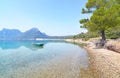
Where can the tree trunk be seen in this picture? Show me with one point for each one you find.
(103, 37)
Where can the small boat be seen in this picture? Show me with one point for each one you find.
(38, 44)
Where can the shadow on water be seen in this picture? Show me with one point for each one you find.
(81, 45)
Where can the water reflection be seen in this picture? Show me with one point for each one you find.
(55, 60)
(28, 44)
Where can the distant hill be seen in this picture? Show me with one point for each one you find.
(8, 34)
(14, 34)
(31, 34)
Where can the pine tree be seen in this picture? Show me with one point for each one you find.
(106, 15)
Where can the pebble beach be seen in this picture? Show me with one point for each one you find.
(103, 63)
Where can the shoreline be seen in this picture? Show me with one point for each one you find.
(103, 63)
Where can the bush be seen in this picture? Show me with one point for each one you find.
(85, 36)
(113, 33)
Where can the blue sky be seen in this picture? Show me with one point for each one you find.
(54, 17)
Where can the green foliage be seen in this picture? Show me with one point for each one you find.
(83, 21)
(96, 3)
(86, 36)
(106, 16)
(104, 19)
(86, 11)
(113, 33)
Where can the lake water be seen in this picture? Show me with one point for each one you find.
(56, 59)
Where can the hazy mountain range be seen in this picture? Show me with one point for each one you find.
(32, 34)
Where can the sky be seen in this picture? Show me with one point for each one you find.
(53, 17)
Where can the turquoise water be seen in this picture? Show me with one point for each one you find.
(56, 59)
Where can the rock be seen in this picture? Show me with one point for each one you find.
(113, 45)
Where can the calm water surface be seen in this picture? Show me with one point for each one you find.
(56, 59)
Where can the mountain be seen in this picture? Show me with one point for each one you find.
(14, 34)
(8, 34)
(32, 34)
